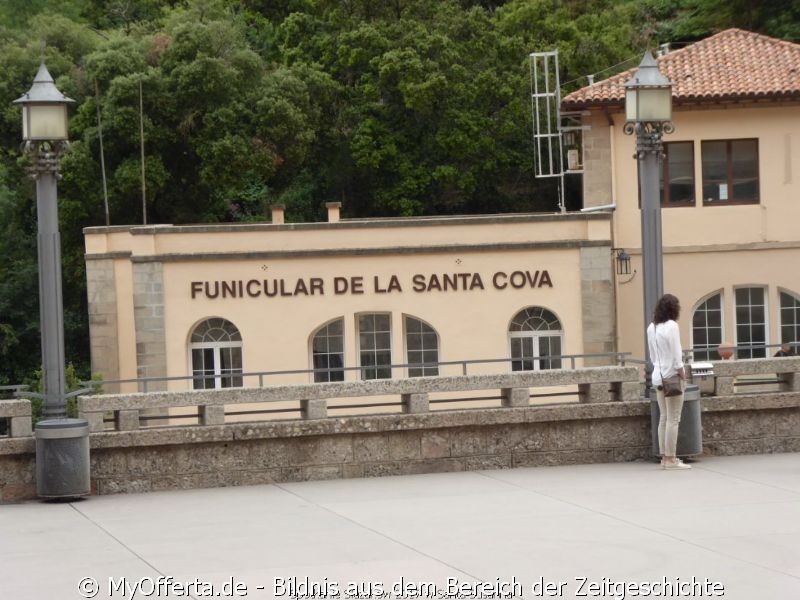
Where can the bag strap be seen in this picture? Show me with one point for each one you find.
(655, 343)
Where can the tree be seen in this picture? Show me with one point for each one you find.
(404, 107)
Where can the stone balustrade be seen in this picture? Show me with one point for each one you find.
(784, 369)
(18, 414)
(595, 384)
(609, 423)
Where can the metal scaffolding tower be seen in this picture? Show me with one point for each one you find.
(557, 136)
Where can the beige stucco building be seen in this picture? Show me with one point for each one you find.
(730, 190)
(351, 299)
(350, 296)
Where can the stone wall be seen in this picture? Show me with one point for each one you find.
(367, 446)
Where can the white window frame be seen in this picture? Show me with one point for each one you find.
(781, 324)
(375, 351)
(426, 371)
(535, 335)
(708, 348)
(217, 346)
(313, 375)
(744, 353)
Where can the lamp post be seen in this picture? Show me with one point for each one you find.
(44, 133)
(648, 114)
(62, 444)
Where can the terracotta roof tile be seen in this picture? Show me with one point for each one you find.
(731, 65)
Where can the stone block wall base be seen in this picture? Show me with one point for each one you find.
(397, 445)
(17, 477)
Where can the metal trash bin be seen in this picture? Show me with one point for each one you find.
(690, 430)
(62, 458)
(702, 375)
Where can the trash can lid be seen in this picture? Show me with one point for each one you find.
(53, 429)
(61, 423)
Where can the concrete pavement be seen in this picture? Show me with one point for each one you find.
(588, 531)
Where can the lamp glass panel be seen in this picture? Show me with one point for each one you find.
(654, 104)
(45, 122)
(630, 104)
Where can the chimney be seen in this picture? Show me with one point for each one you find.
(277, 213)
(333, 211)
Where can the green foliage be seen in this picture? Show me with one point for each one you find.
(73, 381)
(405, 107)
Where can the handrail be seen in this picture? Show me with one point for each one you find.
(620, 358)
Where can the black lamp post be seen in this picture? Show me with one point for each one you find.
(44, 132)
(648, 114)
(62, 444)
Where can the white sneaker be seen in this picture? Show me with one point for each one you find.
(677, 465)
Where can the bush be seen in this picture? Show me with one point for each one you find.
(73, 383)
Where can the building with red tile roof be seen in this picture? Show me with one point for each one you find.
(729, 190)
(731, 66)
(226, 305)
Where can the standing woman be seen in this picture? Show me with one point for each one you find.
(664, 343)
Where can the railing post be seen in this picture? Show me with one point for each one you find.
(20, 426)
(415, 403)
(625, 391)
(513, 397)
(127, 420)
(593, 392)
(95, 420)
(789, 381)
(314, 409)
(723, 386)
(212, 414)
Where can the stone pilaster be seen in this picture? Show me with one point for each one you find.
(597, 303)
(101, 291)
(148, 311)
(597, 161)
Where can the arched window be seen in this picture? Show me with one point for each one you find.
(422, 348)
(707, 328)
(535, 335)
(327, 352)
(216, 349)
(790, 318)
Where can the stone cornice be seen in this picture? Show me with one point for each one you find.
(396, 251)
(383, 223)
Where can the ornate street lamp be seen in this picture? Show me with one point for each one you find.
(44, 132)
(648, 114)
(62, 444)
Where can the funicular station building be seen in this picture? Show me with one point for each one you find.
(353, 299)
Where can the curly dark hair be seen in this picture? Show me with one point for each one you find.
(667, 308)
